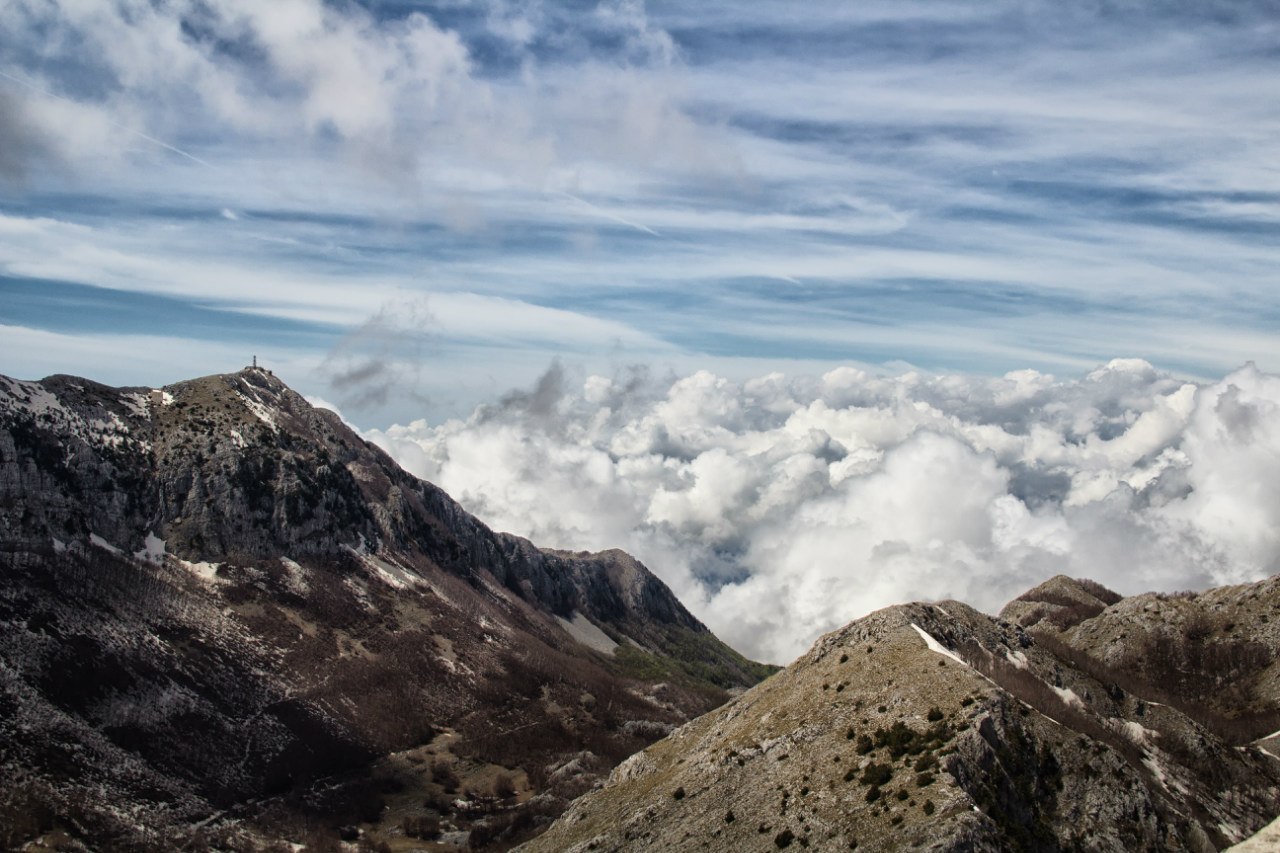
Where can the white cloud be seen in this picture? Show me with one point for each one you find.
(957, 186)
(296, 63)
(779, 508)
(399, 95)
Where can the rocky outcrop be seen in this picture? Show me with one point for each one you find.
(1214, 655)
(214, 596)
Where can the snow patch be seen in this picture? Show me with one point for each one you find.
(207, 572)
(104, 544)
(1017, 658)
(1138, 733)
(1068, 696)
(385, 569)
(237, 439)
(261, 412)
(935, 646)
(58, 545)
(360, 592)
(1157, 770)
(32, 398)
(153, 549)
(136, 403)
(43, 406)
(587, 632)
(112, 431)
(390, 573)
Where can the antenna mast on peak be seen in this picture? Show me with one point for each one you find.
(257, 369)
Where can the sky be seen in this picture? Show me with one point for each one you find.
(484, 228)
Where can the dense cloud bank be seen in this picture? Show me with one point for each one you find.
(783, 507)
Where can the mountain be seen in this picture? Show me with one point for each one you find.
(1212, 655)
(1078, 720)
(227, 621)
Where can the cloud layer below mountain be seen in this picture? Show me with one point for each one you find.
(783, 507)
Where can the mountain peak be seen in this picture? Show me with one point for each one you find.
(936, 727)
(231, 593)
(1064, 600)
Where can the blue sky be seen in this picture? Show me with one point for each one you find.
(408, 208)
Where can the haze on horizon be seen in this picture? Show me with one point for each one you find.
(758, 268)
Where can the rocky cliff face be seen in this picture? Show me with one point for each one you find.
(226, 620)
(1212, 655)
(935, 727)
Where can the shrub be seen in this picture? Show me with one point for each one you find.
(1098, 591)
(504, 787)
(424, 827)
(901, 739)
(876, 774)
(442, 774)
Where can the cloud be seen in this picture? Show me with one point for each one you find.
(397, 94)
(541, 402)
(641, 38)
(383, 356)
(781, 507)
(260, 69)
(23, 146)
(958, 186)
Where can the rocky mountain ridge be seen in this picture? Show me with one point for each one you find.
(935, 727)
(228, 621)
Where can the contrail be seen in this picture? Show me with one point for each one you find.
(607, 215)
(160, 142)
